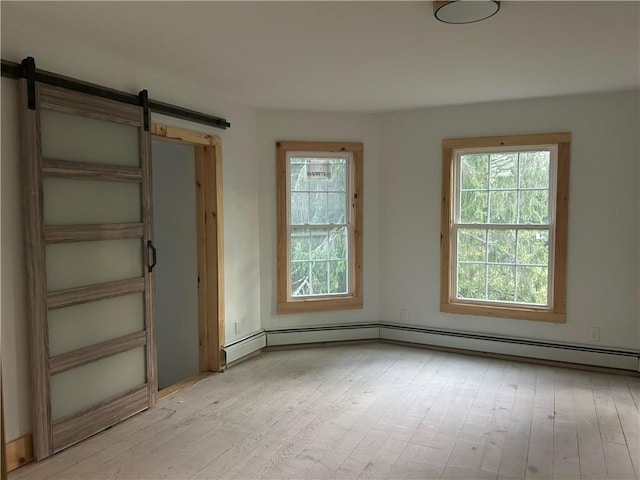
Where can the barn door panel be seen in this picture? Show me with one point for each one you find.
(89, 253)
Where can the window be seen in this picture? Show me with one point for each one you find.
(504, 226)
(319, 226)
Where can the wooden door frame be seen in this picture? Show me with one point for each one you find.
(210, 253)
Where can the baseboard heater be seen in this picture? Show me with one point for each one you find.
(544, 350)
(244, 346)
(323, 334)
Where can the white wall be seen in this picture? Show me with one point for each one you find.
(240, 188)
(15, 351)
(603, 212)
(293, 125)
(176, 274)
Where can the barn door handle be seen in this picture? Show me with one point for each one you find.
(154, 255)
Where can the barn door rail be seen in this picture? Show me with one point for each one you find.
(27, 70)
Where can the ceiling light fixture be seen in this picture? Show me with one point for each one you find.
(465, 11)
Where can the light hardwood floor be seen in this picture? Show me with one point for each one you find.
(373, 411)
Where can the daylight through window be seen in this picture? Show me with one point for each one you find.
(319, 224)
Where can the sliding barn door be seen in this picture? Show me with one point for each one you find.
(89, 257)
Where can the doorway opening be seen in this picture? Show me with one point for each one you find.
(187, 194)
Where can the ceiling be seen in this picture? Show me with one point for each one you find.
(355, 56)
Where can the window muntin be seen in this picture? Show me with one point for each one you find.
(503, 225)
(319, 223)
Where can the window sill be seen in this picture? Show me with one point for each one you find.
(319, 304)
(541, 315)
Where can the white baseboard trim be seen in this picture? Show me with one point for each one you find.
(329, 333)
(608, 358)
(519, 347)
(238, 349)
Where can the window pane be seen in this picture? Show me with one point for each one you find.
(318, 197)
(299, 208)
(471, 280)
(533, 247)
(338, 277)
(318, 208)
(502, 246)
(300, 281)
(338, 180)
(501, 283)
(474, 171)
(503, 206)
(534, 169)
(338, 244)
(534, 206)
(504, 167)
(319, 173)
(298, 177)
(319, 279)
(532, 285)
(337, 210)
(472, 245)
(473, 208)
(299, 245)
(319, 245)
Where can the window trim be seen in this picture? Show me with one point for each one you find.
(354, 300)
(448, 303)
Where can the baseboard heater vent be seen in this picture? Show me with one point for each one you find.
(245, 346)
(328, 333)
(544, 350)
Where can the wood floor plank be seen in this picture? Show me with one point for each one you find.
(608, 419)
(514, 455)
(590, 450)
(566, 460)
(618, 461)
(630, 421)
(370, 412)
(540, 453)
(540, 450)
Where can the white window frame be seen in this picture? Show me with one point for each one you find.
(550, 226)
(348, 225)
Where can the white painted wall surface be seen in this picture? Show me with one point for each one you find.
(240, 188)
(15, 351)
(603, 212)
(293, 125)
(176, 274)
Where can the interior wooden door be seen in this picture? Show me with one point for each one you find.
(89, 261)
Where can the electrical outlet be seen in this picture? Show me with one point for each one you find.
(404, 315)
(235, 327)
(594, 334)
